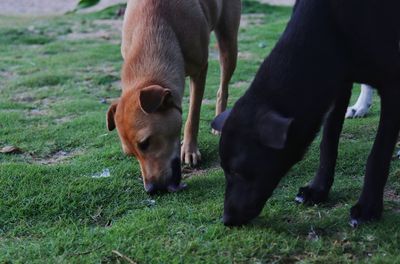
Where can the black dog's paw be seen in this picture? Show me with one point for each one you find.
(308, 195)
(361, 213)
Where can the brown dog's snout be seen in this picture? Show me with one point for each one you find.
(152, 188)
(172, 183)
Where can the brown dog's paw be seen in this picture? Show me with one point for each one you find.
(190, 155)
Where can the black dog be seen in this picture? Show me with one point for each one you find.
(307, 79)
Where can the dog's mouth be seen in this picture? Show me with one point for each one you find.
(153, 189)
(176, 171)
(174, 182)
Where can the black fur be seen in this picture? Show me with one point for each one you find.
(327, 45)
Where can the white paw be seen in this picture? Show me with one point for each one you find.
(190, 155)
(356, 112)
(215, 132)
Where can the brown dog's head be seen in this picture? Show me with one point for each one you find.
(149, 124)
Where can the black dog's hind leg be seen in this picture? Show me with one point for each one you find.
(370, 204)
(317, 191)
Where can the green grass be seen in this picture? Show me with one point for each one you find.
(53, 211)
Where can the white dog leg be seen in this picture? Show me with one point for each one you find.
(363, 104)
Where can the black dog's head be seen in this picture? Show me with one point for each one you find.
(254, 157)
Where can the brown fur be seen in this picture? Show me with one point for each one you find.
(163, 42)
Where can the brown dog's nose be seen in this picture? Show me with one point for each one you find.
(152, 188)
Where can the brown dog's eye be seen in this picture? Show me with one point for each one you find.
(144, 145)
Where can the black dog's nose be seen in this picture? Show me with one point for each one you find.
(229, 220)
(234, 220)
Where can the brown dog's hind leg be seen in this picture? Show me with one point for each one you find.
(226, 33)
(370, 204)
(190, 153)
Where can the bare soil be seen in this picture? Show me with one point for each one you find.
(47, 7)
(57, 7)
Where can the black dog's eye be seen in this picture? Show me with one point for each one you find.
(144, 145)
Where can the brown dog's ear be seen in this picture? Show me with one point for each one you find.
(154, 98)
(273, 129)
(110, 116)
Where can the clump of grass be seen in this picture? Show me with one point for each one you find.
(23, 36)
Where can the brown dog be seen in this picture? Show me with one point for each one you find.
(163, 42)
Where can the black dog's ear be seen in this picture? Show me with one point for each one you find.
(219, 120)
(273, 129)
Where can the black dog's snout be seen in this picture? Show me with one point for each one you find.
(230, 220)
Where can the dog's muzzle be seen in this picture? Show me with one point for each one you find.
(173, 183)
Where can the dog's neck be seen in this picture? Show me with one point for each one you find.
(307, 64)
(154, 59)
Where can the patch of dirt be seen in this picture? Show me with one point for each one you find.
(348, 136)
(252, 20)
(188, 172)
(278, 2)
(57, 157)
(7, 75)
(38, 112)
(114, 24)
(245, 55)
(107, 29)
(58, 7)
(102, 5)
(45, 102)
(241, 84)
(48, 7)
(208, 102)
(64, 119)
(99, 34)
(213, 53)
(391, 195)
(29, 97)
(10, 150)
(54, 158)
(104, 69)
(36, 7)
(25, 97)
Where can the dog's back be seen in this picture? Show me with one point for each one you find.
(188, 22)
(372, 28)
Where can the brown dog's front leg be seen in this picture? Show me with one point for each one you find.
(190, 153)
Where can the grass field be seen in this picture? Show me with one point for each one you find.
(57, 76)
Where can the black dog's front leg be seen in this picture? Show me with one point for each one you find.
(370, 203)
(317, 191)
